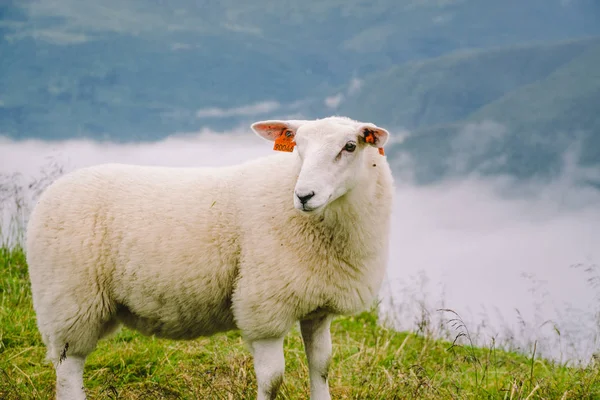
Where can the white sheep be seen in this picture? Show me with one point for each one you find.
(186, 252)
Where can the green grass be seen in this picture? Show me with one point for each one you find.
(369, 362)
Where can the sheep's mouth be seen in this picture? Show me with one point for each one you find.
(311, 207)
(305, 208)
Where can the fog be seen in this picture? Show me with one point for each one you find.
(516, 260)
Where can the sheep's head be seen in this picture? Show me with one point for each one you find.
(332, 152)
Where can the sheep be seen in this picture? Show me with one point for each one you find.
(179, 253)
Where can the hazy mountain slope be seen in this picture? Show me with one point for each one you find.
(567, 99)
(525, 133)
(129, 87)
(567, 102)
(450, 88)
(141, 69)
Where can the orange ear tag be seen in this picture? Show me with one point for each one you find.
(370, 138)
(285, 142)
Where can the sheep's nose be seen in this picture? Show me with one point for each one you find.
(306, 197)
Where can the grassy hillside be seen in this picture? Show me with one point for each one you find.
(369, 362)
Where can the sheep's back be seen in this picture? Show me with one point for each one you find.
(160, 243)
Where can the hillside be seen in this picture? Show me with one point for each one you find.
(369, 362)
(510, 110)
(566, 104)
(451, 88)
(141, 70)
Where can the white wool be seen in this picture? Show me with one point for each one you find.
(182, 252)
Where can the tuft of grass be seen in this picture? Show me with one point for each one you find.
(369, 362)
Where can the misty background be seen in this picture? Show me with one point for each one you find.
(494, 108)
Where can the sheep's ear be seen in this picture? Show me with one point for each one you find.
(272, 129)
(281, 132)
(374, 135)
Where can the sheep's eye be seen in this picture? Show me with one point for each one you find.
(350, 147)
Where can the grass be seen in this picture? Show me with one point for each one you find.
(369, 362)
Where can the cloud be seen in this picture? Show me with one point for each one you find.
(52, 36)
(473, 246)
(239, 28)
(433, 3)
(474, 141)
(334, 101)
(263, 107)
(182, 46)
(442, 19)
(206, 147)
(487, 246)
(354, 86)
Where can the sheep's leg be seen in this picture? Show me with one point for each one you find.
(317, 344)
(269, 366)
(69, 378)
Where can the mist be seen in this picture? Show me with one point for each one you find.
(515, 259)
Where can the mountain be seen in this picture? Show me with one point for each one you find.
(140, 70)
(465, 77)
(509, 110)
(450, 88)
(525, 104)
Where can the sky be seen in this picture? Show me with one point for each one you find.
(509, 257)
